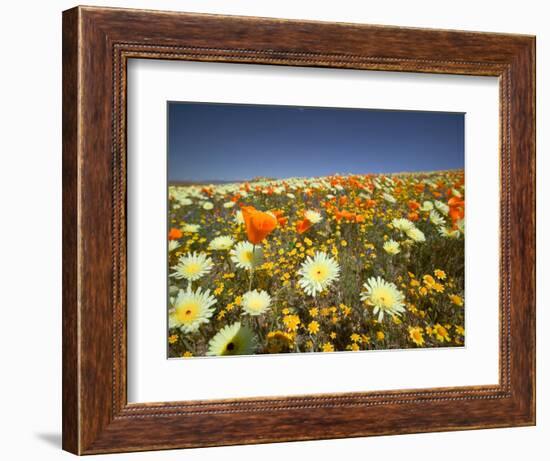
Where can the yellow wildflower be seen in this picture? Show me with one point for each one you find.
(172, 339)
(455, 299)
(440, 333)
(313, 327)
(415, 333)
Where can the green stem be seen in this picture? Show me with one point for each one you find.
(252, 267)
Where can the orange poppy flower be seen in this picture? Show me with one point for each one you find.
(175, 234)
(258, 224)
(303, 225)
(419, 188)
(455, 202)
(344, 214)
(413, 205)
(456, 208)
(413, 216)
(281, 219)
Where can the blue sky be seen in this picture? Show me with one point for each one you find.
(239, 142)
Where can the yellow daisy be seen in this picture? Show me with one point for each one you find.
(279, 341)
(415, 333)
(440, 333)
(313, 327)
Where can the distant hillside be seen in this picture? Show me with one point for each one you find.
(217, 181)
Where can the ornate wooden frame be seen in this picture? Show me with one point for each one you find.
(97, 43)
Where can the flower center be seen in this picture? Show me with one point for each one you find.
(230, 346)
(319, 273)
(193, 268)
(255, 304)
(187, 311)
(383, 299)
(248, 256)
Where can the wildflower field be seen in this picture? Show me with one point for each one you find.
(324, 264)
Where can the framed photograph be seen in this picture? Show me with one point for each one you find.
(281, 230)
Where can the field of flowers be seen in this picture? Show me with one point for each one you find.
(337, 263)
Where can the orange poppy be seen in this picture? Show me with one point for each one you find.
(303, 225)
(413, 216)
(456, 208)
(175, 234)
(413, 205)
(344, 214)
(258, 224)
(419, 187)
(281, 219)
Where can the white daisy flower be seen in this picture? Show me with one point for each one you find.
(388, 197)
(314, 217)
(173, 245)
(232, 339)
(384, 297)
(402, 224)
(291, 196)
(449, 233)
(318, 273)
(238, 218)
(416, 234)
(184, 201)
(460, 225)
(229, 204)
(391, 247)
(256, 302)
(191, 228)
(427, 206)
(207, 205)
(436, 218)
(223, 242)
(246, 256)
(443, 208)
(191, 309)
(192, 266)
